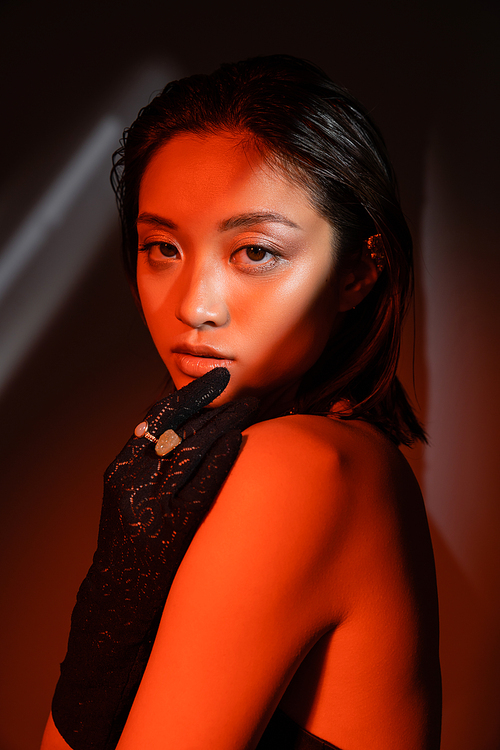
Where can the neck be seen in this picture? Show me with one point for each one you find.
(278, 403)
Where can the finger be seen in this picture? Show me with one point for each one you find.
(179, 466)
(189, 428)
(234, 414)
(199, 434)
(181, 405)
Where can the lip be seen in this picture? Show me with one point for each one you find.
(201, 350)
(197, 360)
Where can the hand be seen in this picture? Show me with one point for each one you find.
(152, 507)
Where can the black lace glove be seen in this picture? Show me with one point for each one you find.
(152, 507)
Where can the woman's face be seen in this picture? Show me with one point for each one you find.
(235, 268)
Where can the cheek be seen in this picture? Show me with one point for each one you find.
(155, 303)
(151, 294)
(292, 327)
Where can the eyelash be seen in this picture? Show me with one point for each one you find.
(147, 247)
(257, 267)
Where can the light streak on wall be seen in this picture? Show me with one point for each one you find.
(50, 211)
(61, 235)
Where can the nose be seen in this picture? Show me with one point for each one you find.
(201, 297)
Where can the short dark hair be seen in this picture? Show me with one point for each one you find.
(321, 136)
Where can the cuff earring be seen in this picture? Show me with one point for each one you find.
(375, 247)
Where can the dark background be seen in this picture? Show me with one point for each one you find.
(70, 396)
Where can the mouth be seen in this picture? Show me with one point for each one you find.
(195, 361)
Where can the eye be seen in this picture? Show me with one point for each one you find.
(254, 258)
(158, 251)
(256, 253)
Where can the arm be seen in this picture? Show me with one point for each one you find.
(232, 633)
(52, 740)
(153, 503)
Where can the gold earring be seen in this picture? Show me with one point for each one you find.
(375, 247)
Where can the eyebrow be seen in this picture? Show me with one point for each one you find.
(156, 220)
(250, 219)
(235, 222)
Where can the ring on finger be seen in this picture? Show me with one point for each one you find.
(167, 441)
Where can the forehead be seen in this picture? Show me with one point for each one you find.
(223, 172)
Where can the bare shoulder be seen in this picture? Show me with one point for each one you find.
(296, 445)
(368, 543)
(288, 483)
(302, 541)
(322, 482)
(298, 462)
(339, 480)
(322, 451)
(342, 439)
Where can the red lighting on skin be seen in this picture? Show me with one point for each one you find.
(194, 366)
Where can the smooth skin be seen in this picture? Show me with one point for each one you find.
(310, 584)
(234, 257)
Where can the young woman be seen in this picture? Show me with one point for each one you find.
(270, 258)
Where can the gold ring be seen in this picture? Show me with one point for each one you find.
(167, 441)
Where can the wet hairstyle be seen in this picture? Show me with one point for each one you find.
(323, 139)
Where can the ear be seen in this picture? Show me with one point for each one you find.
(357, 281)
